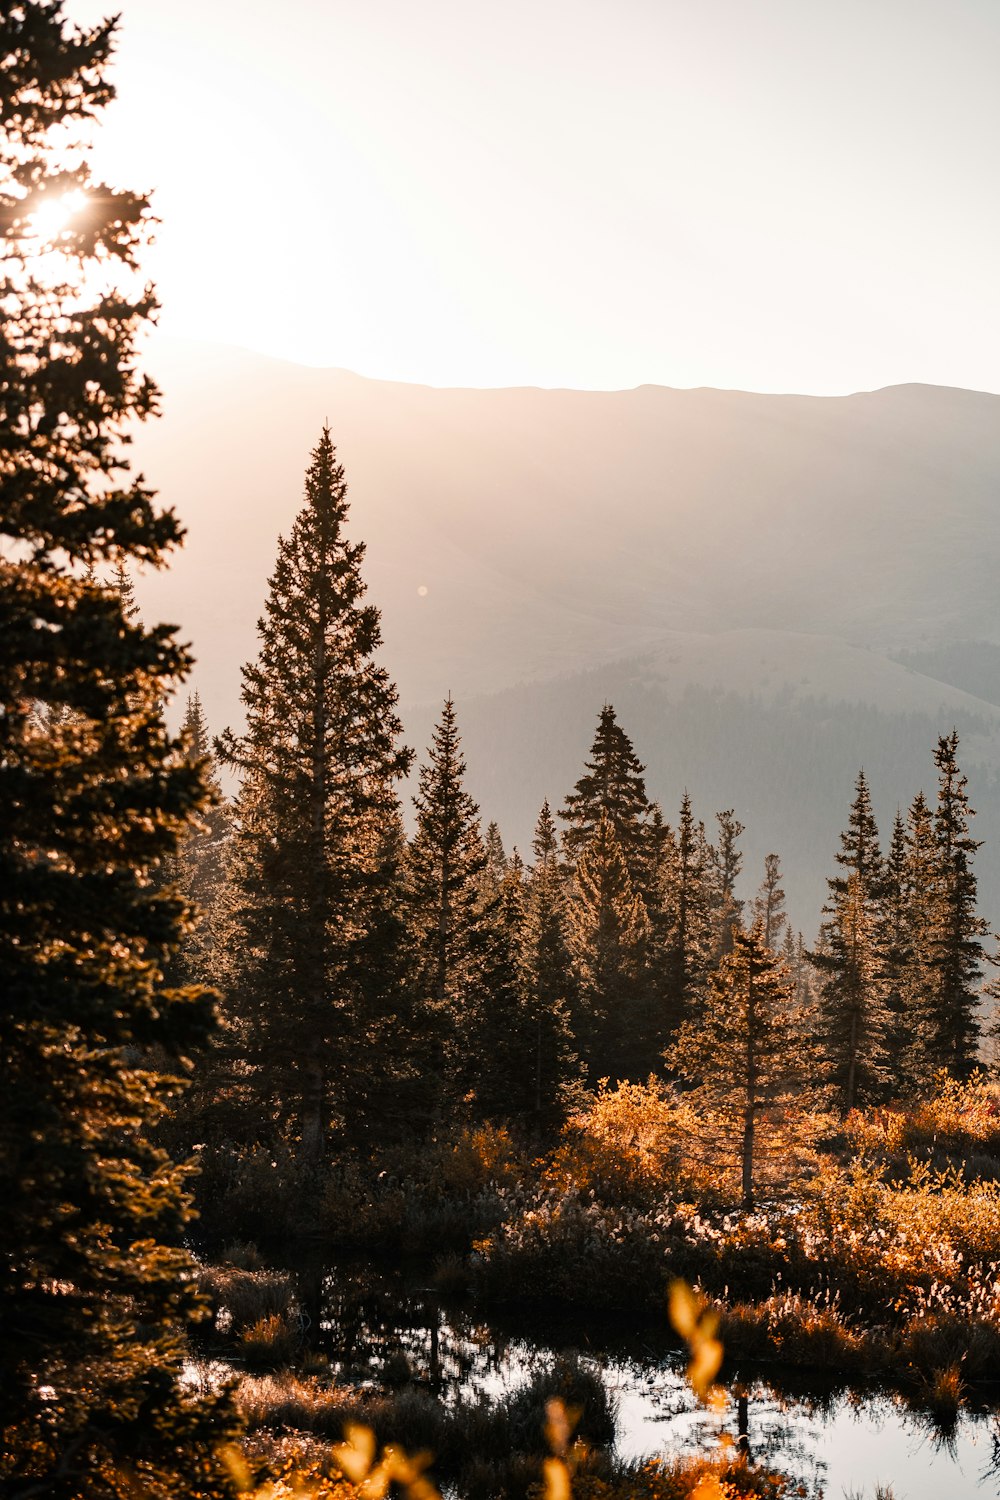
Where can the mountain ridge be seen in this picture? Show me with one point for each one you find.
(524, 536)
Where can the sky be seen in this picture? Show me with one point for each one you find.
(771, 195)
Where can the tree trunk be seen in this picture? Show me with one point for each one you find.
(313, 1116)
(852, 1057)
(748, 1124)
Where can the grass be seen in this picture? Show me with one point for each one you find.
(486, 1448)
(241, 1299)
(879, 1258)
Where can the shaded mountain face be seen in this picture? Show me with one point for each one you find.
(735, 572)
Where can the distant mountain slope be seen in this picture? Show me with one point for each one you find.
(716, 716)
(760, 554)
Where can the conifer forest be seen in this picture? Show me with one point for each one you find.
(348, 1149)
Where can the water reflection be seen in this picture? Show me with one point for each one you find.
(831, 1440)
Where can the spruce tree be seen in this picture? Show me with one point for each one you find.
(608, 933)
(97, 1295)
(688, 945)
(769, 905)
(852, 1016)
(915, 983)
(201, 858)
(955, 950)
(547, 979)
(748, 1052)
(449, 918)
(727, 860)
(121, 581)
(500, 1044)
(896, 957)
(496, 864)
(314, 825)
(612, 787)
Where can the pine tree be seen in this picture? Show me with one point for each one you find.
(955, 950)
(496, 864)
(852, 1016)
(447, 862)
(121, 582)
(748, 1052)
(97, 1293)
(727, 860)
(769, 905)
(313, 819)
(612, 787)
(546, 978)
(608, 933)
(501, 1045)
(915, 983)
(686, 955)
(200, 871)
(896, 956)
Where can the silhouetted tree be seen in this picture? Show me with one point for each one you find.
(97, 1293)
(955, 952)
(200, 861)
(748, 1052)
(449, 916)
(915, 981)
(608, 933)
(121, 580)
(727, 860)
(852, 1016)
(903, 1013)
(769, 904)
(547, 978)
(314, 837)
(612, 787)
(686, 955)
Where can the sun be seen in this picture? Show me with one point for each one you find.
(56, 213)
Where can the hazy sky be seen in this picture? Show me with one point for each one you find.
(789, 195)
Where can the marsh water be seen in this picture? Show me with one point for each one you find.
(832, 1440)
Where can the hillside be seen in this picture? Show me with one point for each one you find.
(791, 557)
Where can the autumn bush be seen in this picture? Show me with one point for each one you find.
(633, 1144)
(421, 1200)
(957, 1123)
(717, 1476)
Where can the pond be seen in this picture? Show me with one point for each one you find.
(835, 1441)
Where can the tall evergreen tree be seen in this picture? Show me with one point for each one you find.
(612, 787)
(608, 933)
(688, 944)
(447, 863)
(546, 977)
(500, 1042)
(727, 859)
(896, 956)
(313, 821)
(748, 1052)
(915, 983)
(955, 947)
(769, 905)
(852, 1016)
(97, 1294)
(200, 862)
(496, 864)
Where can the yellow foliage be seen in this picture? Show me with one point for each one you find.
(956, 1118)
(633, 1141)
(697, 1326)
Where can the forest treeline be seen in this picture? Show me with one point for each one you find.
(375, 985)
(288, 986)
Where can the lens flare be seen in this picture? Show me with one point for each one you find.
(56, 214)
